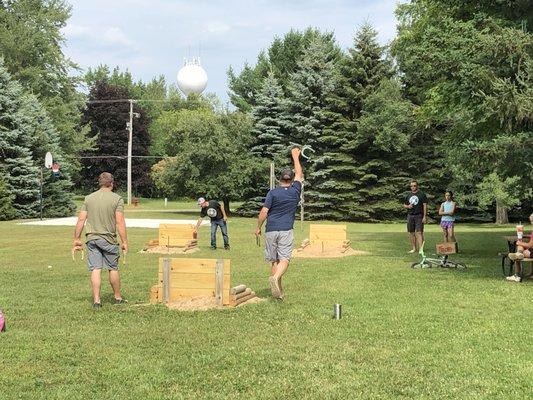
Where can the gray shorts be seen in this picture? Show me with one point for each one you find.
(278, 245)
(102, 255)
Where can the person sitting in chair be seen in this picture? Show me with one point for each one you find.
(523, 250)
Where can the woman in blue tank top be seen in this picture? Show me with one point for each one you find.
(447, 211)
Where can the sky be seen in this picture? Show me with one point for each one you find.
(152, 37)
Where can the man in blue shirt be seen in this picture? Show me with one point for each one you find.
(279, 210)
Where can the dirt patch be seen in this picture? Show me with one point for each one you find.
(169, 250)
(203, 303)
(310, 252)
(200, 303)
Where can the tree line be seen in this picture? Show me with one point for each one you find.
(448, 102)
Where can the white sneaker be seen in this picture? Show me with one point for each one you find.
(515, 256)
(514, 278)
(411, 251)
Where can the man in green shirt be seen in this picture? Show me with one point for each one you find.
(102, 214)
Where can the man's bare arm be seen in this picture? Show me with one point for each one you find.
(298, 171)
(198, 223)
(121, 229)
(261, 219)
(79, 226)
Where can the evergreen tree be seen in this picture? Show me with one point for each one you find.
(308, 117)
(108, 128)
(375, 172)
(27, 134)
(269, 128)
(7, 211)
(31, 45)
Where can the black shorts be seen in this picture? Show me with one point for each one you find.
(414, 223)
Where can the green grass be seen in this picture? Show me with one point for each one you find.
(420, 334)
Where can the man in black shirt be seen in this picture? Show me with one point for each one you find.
(213, 210)
(416, 203)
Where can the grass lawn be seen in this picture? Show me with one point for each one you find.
(420, 334)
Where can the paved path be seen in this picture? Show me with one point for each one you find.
(130, 222)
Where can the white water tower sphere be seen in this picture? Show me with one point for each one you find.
(192, 78)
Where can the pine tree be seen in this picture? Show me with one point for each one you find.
(376, 174)
(28, 134)
(21, 173)
(7, 211)
(310, 120)
(269, 127)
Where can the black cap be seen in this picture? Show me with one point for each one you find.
(287, 174)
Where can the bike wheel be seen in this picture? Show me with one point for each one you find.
(461, 266)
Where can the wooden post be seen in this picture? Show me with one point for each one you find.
(272, 176)
(302, 209)
(166, 280)
(219, 281)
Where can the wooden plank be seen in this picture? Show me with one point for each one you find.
(219, 281)
(337, 232)
(238, 289)
(195, 265)
(195, 277)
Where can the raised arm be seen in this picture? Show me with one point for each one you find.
(298, 171)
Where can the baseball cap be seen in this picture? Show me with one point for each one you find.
(201, 201)
(287, 174)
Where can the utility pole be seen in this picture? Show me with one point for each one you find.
(130, 145)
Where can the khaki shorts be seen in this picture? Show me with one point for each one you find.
(278, 245)
(102, 255)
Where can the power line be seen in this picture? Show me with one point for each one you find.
(122, 157)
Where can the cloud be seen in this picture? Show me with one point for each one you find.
(151, 37)
(115, 35)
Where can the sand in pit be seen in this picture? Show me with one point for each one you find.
(310, 252)
(169, 250)
(203, 303)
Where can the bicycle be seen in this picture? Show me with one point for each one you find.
(442, 260)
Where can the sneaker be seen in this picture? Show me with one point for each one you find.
(213, 247)
(411, 251)
(120, 301)
(514, 278)
(274, 287)
(226, 247)
(515, 256)
(97, 306)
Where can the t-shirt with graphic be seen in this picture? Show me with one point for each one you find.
(213, 211)
(417, 200)
(282, 203)
(101, 221)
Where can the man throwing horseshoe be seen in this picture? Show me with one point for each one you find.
(278, 211)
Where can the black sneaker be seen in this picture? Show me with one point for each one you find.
(226, 247)
(97, 306)
(213, 248)
(120, 301)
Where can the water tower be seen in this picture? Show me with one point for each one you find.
(192, 78)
